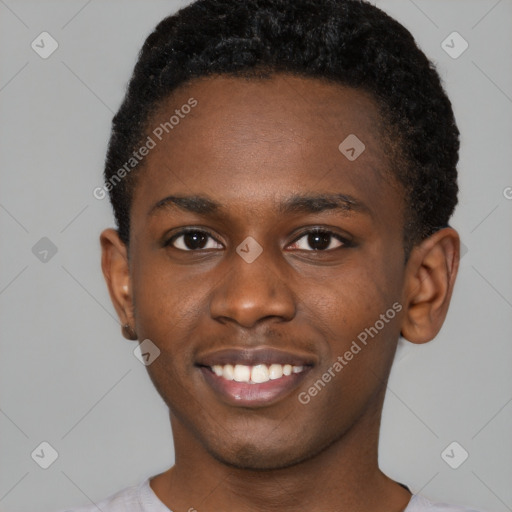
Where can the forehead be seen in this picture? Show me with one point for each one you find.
(249, 111)
(246, 142)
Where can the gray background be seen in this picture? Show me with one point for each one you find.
(68, 377)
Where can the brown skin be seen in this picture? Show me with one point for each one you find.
(249, 145)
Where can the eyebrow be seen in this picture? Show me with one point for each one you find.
(296, 203)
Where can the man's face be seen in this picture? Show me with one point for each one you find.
(208, 299)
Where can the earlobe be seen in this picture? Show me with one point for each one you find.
(430, 278)
(115, 267)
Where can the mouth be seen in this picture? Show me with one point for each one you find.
(255, 374)
(256, 377)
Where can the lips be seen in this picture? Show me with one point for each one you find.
(254, 377)
(253, 357)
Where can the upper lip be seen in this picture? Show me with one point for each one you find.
(254, 356)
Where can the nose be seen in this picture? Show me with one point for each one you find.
(251, 292)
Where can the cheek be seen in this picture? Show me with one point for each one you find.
(358, 313)
(358, 350)
(349, 302)
(169, 307)
(169, 311)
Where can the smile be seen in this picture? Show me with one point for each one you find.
(255, 374)
(254, 377)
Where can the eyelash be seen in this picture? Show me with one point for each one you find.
(345, 242)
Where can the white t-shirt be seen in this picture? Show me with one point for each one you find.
(141, 498)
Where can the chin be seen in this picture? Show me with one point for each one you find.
(252, 459)
(249, 456)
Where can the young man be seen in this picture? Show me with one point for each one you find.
(282, 174)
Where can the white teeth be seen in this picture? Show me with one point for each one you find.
(255, 374)
(275, 371)
(227, 371)
(259, 373)
(242, 373)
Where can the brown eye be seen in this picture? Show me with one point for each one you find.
(193, 240)
(319, 240)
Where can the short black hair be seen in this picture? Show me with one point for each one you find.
(349, 42)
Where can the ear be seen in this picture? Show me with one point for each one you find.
(430, 278)
(115, 266)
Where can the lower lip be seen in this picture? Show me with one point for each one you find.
(253, 395)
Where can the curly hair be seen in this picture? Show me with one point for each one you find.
(348, 42)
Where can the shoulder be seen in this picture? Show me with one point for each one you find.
(130, 499)
(421, 504)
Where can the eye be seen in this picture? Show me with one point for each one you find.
(319, 240)
(322, 240)
(193, 240)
